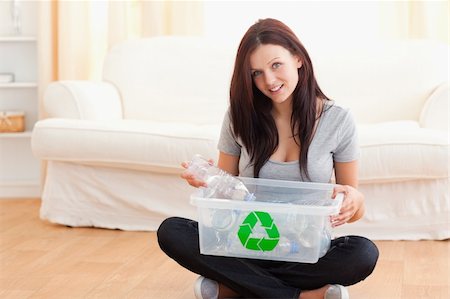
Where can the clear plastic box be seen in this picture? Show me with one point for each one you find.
(288, 221)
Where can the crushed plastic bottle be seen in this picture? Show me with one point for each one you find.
(220, 184)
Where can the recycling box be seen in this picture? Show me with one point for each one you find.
(286, 221)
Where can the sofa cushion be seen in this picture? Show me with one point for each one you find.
(130, 144)
(394, 151)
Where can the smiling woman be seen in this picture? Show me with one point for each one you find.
(276, 106)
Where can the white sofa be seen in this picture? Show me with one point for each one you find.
(114, 147)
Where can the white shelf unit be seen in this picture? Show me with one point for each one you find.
(20, 171)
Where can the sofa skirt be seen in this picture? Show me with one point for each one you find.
(115, 198)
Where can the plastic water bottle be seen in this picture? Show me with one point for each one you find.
(287, 246)
(220, 184)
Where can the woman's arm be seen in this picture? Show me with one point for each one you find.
(347, 179)
(228, 163)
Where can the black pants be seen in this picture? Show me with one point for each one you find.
(349, 260)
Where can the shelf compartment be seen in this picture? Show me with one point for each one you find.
(26, 134)
(19, 85)
(15, 39)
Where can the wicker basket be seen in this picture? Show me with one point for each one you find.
(12, 121)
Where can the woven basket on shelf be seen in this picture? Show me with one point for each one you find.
(12, 121)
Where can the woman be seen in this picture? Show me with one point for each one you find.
(280, 125)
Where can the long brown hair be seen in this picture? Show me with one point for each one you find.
(251, 110)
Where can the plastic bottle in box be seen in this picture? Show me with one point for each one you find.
(287, 246)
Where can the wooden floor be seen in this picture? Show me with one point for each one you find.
(43, 260)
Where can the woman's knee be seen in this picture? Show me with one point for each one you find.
(177, 235)
(366, 254)
(166, 230)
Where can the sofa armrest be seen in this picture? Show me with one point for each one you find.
(435, 112)
(83, 100)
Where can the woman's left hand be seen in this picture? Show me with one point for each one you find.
(352, 203)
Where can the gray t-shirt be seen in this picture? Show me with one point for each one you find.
(335, 140)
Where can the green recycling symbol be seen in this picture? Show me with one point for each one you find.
(261, 244)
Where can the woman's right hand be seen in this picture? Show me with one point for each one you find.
(190, 178)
